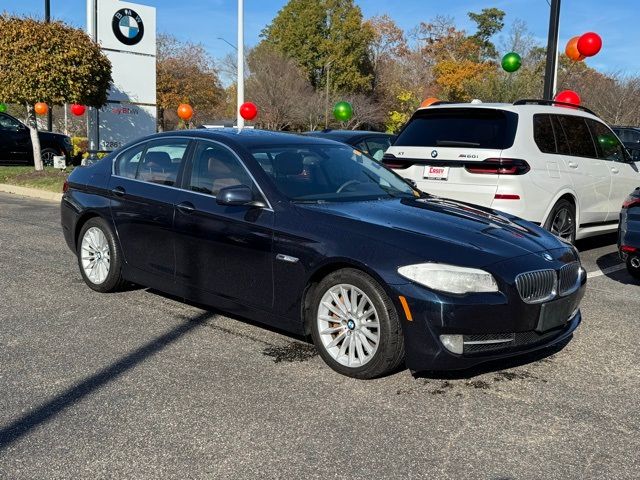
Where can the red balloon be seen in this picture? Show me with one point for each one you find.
(78, 110)
(248, 111)
(41, 108)
(589, 44)
(185, 112)
(568, 96)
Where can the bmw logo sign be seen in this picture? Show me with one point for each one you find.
(127, 26)
(434, 153)
(547, 257)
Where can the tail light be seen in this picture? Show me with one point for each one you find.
(65, 187)
(628, 249)
(499, 166)
(631, 201)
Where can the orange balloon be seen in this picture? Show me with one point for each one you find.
(185, 112)
(572, 50)
(429, 101)
(41, 108)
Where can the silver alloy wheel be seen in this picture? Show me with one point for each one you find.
(47, 158)
(96, 255)
(348, 325)
(562, 225)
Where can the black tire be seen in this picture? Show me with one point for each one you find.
(554, 223)
(390, 350)
(47, 155)
(633, 271)
(113, 281)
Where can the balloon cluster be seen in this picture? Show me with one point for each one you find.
(583, 46)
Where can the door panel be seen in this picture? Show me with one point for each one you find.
(142, 204)
(223, 250)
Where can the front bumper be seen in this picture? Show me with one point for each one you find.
(478, 318)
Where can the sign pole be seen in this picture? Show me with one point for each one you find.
(92, 113)
(240, 121)
(47, 19)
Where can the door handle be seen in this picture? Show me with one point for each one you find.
(118, 191)
(573, 165)
(614, 170)
(186, 207)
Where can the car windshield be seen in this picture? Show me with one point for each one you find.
(331, 173)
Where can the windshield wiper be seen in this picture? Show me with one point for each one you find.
(456, 143)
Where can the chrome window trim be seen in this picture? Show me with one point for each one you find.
(181, 137)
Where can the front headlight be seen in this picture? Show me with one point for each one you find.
(449, 278)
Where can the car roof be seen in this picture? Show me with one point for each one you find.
(345, 134)
(510, 107)
(248, 138)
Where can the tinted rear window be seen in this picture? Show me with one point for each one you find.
(460, 127)
(578, 136)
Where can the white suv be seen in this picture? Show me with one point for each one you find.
(558, 166)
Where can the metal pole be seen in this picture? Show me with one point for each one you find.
(551, 70)
(326, 104)
(47, 19)
(240, 121)
(92, 114)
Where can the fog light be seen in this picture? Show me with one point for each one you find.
(453, 343)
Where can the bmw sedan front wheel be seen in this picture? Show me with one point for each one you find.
(99, 256)
(355, 326)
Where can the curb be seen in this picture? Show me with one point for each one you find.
(31, 192)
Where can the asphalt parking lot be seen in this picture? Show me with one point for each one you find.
(139, 385)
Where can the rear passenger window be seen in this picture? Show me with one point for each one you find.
(607, 144)
(128, 161)
(543, 134)
(578, 136)
(213, 168)
(161, 161)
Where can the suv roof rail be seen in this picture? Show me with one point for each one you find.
(537, 101)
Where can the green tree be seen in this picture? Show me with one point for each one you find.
(325, 35)
(489, 22)
(52, 63)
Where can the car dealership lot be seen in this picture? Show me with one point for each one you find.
(137, 384)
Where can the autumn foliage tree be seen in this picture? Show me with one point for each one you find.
(52, 63)
(185, 73)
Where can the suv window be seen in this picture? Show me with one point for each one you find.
(215, 167)
(543, 133)
(578, 136)
(460, 127)
(161, 161)
(9, 123)
(607, 144)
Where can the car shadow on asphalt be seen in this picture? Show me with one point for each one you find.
(496, 366)
(45, 412)
(598, 241)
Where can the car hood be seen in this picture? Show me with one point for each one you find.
(443, 224)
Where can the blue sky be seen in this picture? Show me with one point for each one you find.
(206, 20)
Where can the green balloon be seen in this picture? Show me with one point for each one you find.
(3, 108)
(343, 111)
(511, 62)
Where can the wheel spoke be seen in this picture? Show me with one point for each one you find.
(352, 353)
(371, 325)
(343, 349)
(359, 350)
(330, 330)
(336, 340)
(334, 310)
(345, 299)
(365, 343)
(370, 335)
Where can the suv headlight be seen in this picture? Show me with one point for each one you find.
(449, 278)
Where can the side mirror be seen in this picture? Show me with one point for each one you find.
(411, 182)
(238, 195)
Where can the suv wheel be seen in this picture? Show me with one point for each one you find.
(355, 326)
(562, 221)
(47, 155)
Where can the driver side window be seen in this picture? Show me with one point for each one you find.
(214, 167)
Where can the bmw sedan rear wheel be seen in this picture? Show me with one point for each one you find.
(99, 256)
(355, 325)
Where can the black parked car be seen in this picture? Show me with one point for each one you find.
(629, 233)
(373, 144)
(630, 136)
(312, 236)
(16, 148)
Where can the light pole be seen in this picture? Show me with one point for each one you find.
(551, 68)
(240, 120)
(47, 19)
(326, 104)
(228, 43)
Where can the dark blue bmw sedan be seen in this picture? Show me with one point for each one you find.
(313, 237)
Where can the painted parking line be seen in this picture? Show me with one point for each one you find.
(604, 271)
